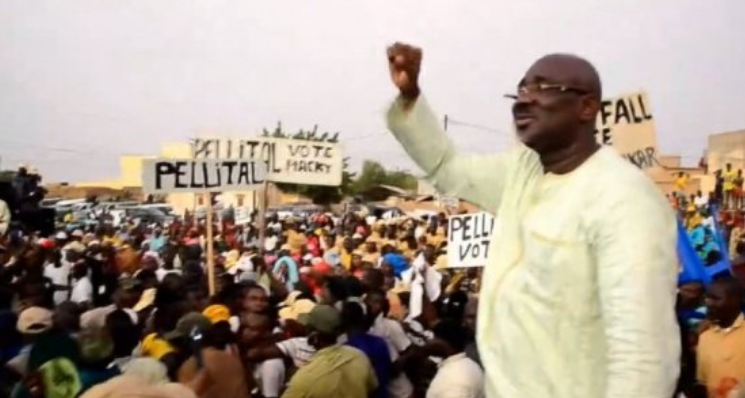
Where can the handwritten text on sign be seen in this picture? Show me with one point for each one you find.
(201, 175)
(469, 236)
(288, 161)
(627, 124)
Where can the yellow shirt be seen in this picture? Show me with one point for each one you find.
(374, 237)
(156, 347)
(693, 221)
(372, 258)
(729, 179)
(346, 259)
(721, 354)
(296, 241)
(595, 282)
(391, 242)
(334, 372)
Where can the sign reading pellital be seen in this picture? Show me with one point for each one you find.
(162, 176)
(469, 236)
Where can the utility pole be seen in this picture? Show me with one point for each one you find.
(445, 123)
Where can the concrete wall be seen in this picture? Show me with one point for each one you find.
(179, 150)
(726, 148)
(130, 174)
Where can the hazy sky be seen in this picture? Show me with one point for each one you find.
(82, 82)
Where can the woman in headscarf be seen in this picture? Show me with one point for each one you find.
(286, 270)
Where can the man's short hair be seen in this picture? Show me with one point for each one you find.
(453, 333)
(731, 286)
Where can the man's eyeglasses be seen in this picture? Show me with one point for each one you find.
(542, 89)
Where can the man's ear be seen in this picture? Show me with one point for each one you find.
(589, 108)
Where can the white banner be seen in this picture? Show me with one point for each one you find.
(161, 176)
(288, 161)
(469, 236)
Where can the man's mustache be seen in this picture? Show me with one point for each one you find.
(524, 110)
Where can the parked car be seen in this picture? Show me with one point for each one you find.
(377, 210)
(108, 206)
(282, 212)
(49, 202)
(164, 207)
(66, 206)
(148, 215)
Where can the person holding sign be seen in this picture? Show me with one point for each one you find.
(578, 293)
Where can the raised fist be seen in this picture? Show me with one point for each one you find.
(405, 62)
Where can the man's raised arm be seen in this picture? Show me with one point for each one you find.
(477, 179)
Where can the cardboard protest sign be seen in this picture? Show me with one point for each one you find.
(627, 124)
(449, 202)
(160, 176)
(469, 236)
(288, 161)
(308, 162)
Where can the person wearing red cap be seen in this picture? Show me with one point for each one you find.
(318, 273)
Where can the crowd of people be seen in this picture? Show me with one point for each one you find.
(322, 306)
(728, 190)
(706, 215)
(711, 317)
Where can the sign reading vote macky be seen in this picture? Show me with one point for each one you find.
(288, 161)
(160, 176)
(468, 239)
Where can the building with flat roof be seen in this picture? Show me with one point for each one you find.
(726, 148)
(130, 176)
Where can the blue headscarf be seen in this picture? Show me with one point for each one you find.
(291, 276)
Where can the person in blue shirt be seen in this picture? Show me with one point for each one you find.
(395, 260)
(698, 236)
(710, 252)
(157, 241)
(356, 327)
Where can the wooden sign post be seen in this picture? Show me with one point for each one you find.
(210, 247)
(263, 204)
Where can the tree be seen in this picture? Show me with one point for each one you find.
(374, 174)
(321, 195)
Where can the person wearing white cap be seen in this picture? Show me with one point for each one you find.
(32, 322)
(75, 243)
(60, 237)
(35, 320)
